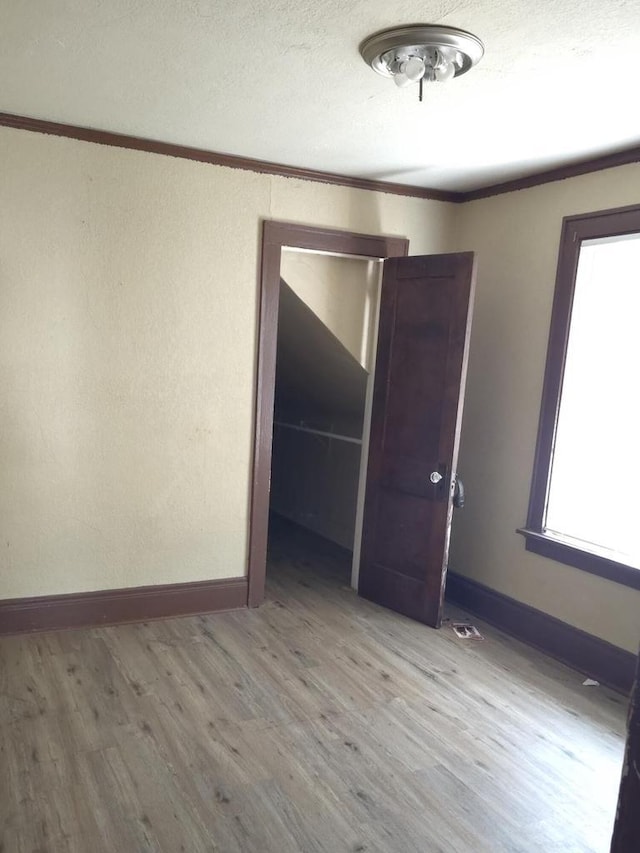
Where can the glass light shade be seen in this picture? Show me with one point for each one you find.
(387, 51)
(413, 68)
(445, 71)
(401, 80)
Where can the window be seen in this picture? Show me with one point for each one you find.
(584, 507)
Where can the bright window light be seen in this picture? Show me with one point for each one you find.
(594, 489)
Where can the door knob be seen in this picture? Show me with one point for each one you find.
(435, 477)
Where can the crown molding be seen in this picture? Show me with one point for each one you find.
(152, 146)
(231, 161)
(559, 173)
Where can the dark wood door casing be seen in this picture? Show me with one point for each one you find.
(275, 237)
(626, 831)
(425, 320)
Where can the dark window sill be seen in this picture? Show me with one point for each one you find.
(571, 555)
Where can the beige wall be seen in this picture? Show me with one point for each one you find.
(128, 294)
(341, 292)
(516, 237)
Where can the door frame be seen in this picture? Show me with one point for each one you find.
(277, 236)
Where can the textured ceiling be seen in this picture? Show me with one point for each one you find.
(282, 80)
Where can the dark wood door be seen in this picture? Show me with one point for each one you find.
(626, 832)
(425, 320)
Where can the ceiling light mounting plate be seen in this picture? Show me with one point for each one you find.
(387, 50)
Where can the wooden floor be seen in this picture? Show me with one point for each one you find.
(319, 722)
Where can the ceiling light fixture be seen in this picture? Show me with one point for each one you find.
(420, 52)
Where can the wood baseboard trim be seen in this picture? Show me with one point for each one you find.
(590, 655)
(117, 606)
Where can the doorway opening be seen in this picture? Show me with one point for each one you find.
(326, 347)
(282, 240)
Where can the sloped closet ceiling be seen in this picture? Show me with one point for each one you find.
(317, 379)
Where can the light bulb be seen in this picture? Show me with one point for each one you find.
(445, 71)
(413, 68)
(408, 70)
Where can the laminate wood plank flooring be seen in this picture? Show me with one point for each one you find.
(319, 722)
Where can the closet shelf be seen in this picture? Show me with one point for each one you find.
(334, 435)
